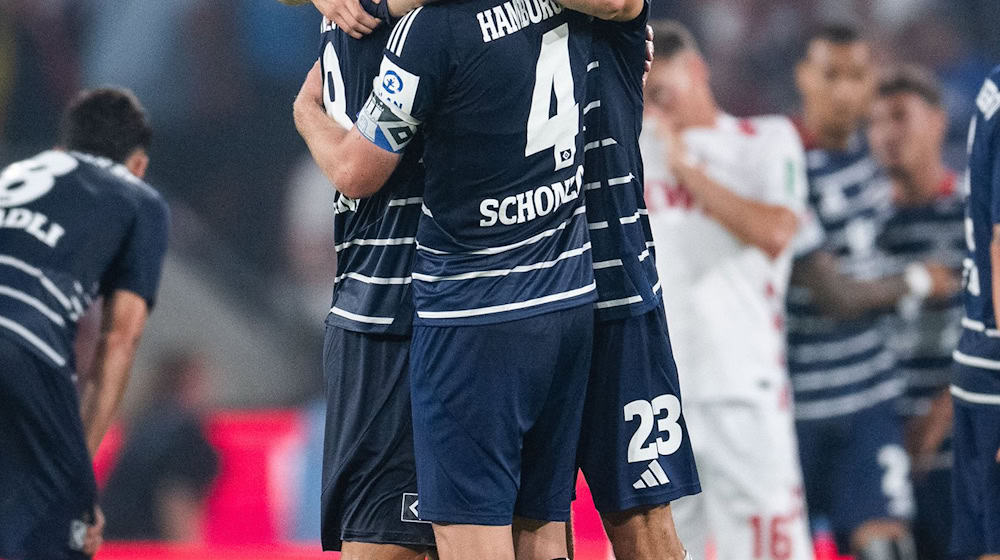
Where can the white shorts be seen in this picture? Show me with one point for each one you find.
(752, 506)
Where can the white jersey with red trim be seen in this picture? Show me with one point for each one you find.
(724, 299)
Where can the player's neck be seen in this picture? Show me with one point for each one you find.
(824, 138)
(704, 116)
(922, 185)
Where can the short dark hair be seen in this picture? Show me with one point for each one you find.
(911, 79)
(670, 37)
(107, 122)
(839, 33)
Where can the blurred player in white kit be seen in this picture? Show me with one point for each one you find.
(725, 196)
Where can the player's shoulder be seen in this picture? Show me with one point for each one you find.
(117, 181)
(771, 127)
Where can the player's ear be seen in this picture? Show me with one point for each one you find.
(137, 162)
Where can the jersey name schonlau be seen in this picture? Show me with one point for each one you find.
(526, 206)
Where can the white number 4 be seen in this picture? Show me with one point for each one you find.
(553, 75)
(638, 450)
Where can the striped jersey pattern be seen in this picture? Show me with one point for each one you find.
(72, 227)
(375, 237)
(977, 379)
(837, 366)
(621, 238)
(503, 231)
(923, 339)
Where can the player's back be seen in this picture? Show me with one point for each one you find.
(71, 226)
(623, 250)
(980, 339)
(374, 237)
(842, 366)
(499, 86)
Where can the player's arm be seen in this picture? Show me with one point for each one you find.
(842, 297)
(611, 10)
(124, 318)
(769, 227)
(356, 166)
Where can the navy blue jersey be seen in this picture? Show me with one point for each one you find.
(375, 237)
(922, 339)
(622, 242)
(842, 366)
(980, 343)
(72, 227)
(497, 88)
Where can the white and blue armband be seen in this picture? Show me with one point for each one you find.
(386, 126)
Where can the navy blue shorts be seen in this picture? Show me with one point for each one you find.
(976, 474)
(47, 487)
(496, 416)
(855, 469)
(369, 474)
(634, 447)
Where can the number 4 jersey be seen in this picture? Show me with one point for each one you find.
(504, 231)
(72, 227)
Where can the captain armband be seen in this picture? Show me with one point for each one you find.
(387, 127)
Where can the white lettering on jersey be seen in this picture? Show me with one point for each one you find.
(34, 223)
(528, 205)
(514, 15)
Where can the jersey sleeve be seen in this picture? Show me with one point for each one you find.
(138, 264)
(784, 170)
(410, 81)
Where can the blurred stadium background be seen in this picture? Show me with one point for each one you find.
(250, 267)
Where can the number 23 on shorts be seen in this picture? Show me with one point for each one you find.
(664, 411)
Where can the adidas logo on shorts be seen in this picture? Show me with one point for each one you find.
(652, 477)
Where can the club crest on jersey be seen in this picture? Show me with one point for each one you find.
(988, 99)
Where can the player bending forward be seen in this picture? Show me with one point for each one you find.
(75, 224)
(725, 196)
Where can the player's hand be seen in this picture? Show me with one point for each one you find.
(945, 283)
(95, 533)
(924, 434)
(648, 64)
(349, 16)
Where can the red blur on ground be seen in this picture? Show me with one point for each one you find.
(252, 502)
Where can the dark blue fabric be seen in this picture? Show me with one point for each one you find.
(369, 474)
(632, 361)
(496, 416)
(976, 480)
(99, 229)
(373, 236)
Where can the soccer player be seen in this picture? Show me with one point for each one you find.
(976, 383)
(907, 130)
(634, 449)
(370, 508)
(855, 469)
(725, 197)
(75, 223)
(503, 281)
